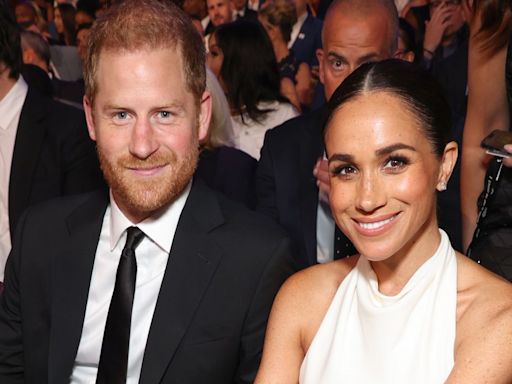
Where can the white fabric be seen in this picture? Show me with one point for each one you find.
(249, 135)
(324, 233)
(10, 112)
(296, 29)
(152, 255)
(367, 337)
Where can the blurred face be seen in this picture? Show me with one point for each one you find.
(215, 56)
(59, 25)
(220, 11)
(349, 42)
(24, 14)
(81, 42)
(384, 174)
(239, 4)
(453, 13)
(146, 124)
(82, 17)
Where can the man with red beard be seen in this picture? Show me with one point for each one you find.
(161, 280)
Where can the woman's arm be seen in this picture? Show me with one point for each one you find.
(487, 110)
(282, 351)
(483, 350)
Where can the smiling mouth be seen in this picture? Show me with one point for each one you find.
(147, 171)
(376, 225)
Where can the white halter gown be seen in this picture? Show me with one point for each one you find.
(369, 338)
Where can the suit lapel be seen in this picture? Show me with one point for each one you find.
(192, 263)
(29, 138)
(311, 150)
(71, 275)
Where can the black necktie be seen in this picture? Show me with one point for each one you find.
(342, 245)
(113, 365)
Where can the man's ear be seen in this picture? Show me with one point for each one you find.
(89, 118)
(448, 161)
(205, 114)
(321, 69)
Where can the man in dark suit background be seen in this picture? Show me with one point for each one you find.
(241, 11)
(292, 181)
(161, 280)
(45, 151)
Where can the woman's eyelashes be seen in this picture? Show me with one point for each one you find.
(392, 164)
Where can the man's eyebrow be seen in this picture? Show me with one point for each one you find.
(369, 57)
(336, 56)
(392, 148)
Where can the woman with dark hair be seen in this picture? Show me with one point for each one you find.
(242, 58)
(489, 108)
(407, 308)
(65, 23)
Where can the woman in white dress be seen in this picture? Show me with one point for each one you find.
(408, 308)
(241, 56)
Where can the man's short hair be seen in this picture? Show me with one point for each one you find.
(37, 43)
(385, 8)
(134, 25)
(10, 45)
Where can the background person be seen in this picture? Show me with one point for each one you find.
(251, 82)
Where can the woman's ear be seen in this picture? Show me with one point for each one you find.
(448, 161)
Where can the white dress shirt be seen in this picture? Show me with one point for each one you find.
(152, 255)
(296, 28)
(10, 111)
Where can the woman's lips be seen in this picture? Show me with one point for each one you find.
(375, 226)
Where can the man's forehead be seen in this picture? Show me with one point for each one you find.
(371, 31)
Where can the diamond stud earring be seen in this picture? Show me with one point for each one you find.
(442, 186)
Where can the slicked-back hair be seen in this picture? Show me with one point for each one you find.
(412, 85)
(134, 25)
(10, 43)
(249, 70)
(382, 8)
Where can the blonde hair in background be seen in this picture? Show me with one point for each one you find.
(220, 131)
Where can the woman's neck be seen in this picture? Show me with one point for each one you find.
(394, 272)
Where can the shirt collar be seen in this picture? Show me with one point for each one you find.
(11, 104)
(159, 228)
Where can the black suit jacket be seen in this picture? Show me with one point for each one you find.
(285, 185)
(225, 266)
(308, 41)
(53, 155)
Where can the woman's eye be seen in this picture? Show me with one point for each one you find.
(396, 163)
(344, 170)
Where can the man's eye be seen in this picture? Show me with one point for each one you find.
(122, 115)
(165, 114)
(337, 64)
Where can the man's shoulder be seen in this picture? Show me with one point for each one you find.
(313, 23)
(59, 208)
(306, 124)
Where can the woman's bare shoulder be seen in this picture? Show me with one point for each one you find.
(484, 326)
(480, 291)
(320, 282)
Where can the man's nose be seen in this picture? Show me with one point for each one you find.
(143, 142)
